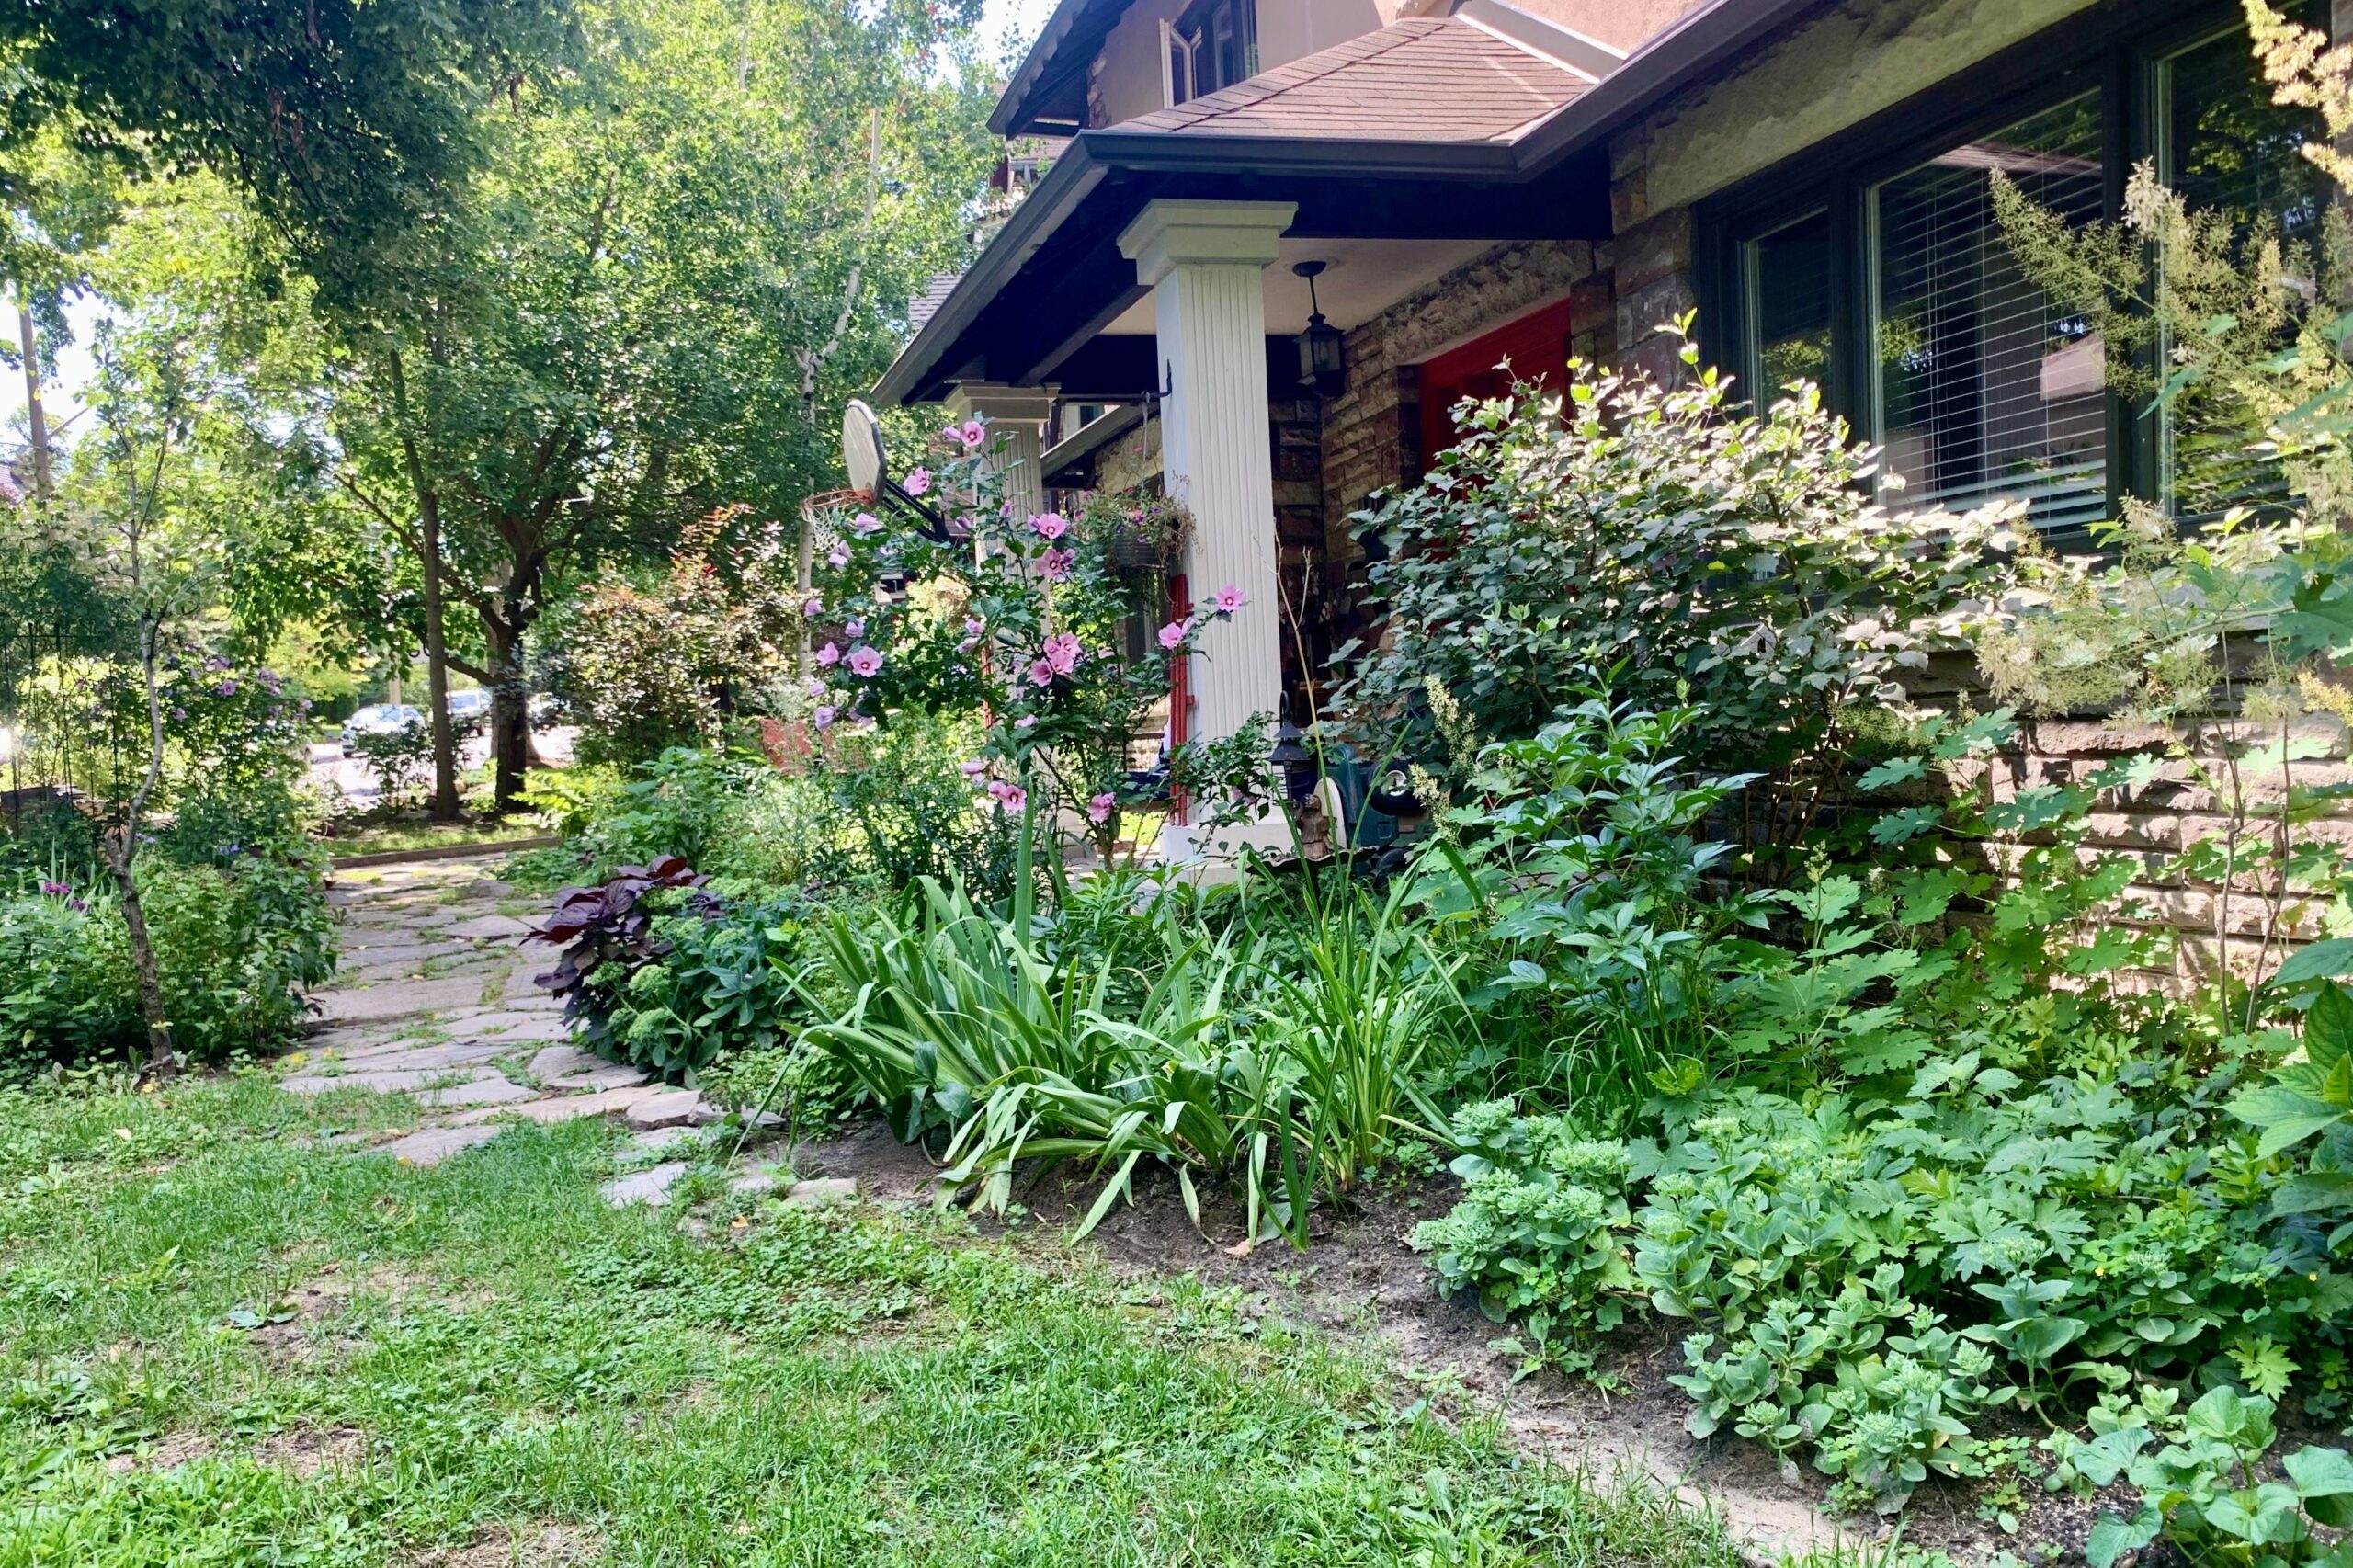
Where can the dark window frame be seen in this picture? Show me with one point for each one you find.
(2120, 51)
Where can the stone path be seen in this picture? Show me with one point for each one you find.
(434, 1001)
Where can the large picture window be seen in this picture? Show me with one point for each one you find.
(1895, 292)
(1984, 388)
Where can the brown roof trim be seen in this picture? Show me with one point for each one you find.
(1083, 24)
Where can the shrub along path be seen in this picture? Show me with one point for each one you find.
(438, 1004)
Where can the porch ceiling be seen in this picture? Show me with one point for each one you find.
(1388, 218)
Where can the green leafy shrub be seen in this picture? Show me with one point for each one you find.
(723, 985)
(67, 992)
(1731, 561)
(237, 946)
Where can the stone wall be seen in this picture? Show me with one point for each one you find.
(1371, 432)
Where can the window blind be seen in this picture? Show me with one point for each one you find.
(1986, 389)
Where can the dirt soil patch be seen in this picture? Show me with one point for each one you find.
(546, 1545)
(1361, 1278)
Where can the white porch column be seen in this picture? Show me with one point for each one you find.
(1016, 415)
(1202, 260)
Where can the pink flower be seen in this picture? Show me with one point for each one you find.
(823, 717)
(816, 688)
(854, 628)
(829, 655)
(1099, 810)
(1229, 599)
(837, 558)
(1012, 797)
(917, 483)
(1172, 635)
(1056, 563)
(974, 625)
(1026, 721)
(973, 433)
(866, 523)
(1063, 654)
(813, 607)
(1049, 526)
(1042, 673)
(975, 767)
(864, 662)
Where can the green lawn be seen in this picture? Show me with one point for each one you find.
(485, 1354)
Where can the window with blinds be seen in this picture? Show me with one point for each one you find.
(1986, 389)
(1789, 289)
(2226, 147)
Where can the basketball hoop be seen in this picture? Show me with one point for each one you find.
(869, 473)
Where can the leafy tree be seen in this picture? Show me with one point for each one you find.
(345, 123)
(670, 262)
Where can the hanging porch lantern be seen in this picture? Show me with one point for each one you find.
(1322, 365)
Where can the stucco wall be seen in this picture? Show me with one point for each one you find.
(1125, 79)
(1853, 61)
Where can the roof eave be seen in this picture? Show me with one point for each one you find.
(1011, 116)
(1074, 175)
(1092, 154)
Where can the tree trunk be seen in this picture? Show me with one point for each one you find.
(121, 852)
(436, 665)
(510, 719)
(36, 421)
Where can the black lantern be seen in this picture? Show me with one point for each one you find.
(1321, 363)
(1298, 764)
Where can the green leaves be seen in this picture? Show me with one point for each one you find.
(2303, 1099)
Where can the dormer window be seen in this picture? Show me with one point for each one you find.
(1212, 45)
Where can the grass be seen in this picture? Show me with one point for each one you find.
(504, 1369)
(414, 833)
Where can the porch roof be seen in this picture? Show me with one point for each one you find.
(1375, 139)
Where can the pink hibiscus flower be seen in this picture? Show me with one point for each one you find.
(1229, 599)
(813, 607)
(837, 558)
(1026, 721)
(823, 717)
(866, 523)
(917, 483)
(1042, 673)
(974, 625)
(1099, 810)
(1012, 797)
(828, 656)
(1172, 635)
(865, 662)
(816, 688)
(975, 769)
(1056, 564)
(973, 433)
(1049, 526)
(855, 628)
(1063, 653)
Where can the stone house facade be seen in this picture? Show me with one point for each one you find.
(1470, 179)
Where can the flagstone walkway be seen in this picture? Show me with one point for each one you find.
(434, 1001)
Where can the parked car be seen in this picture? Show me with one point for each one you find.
(469, 711)
(380, 718)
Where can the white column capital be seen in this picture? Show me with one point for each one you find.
(999, 403)
(1172, 233)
